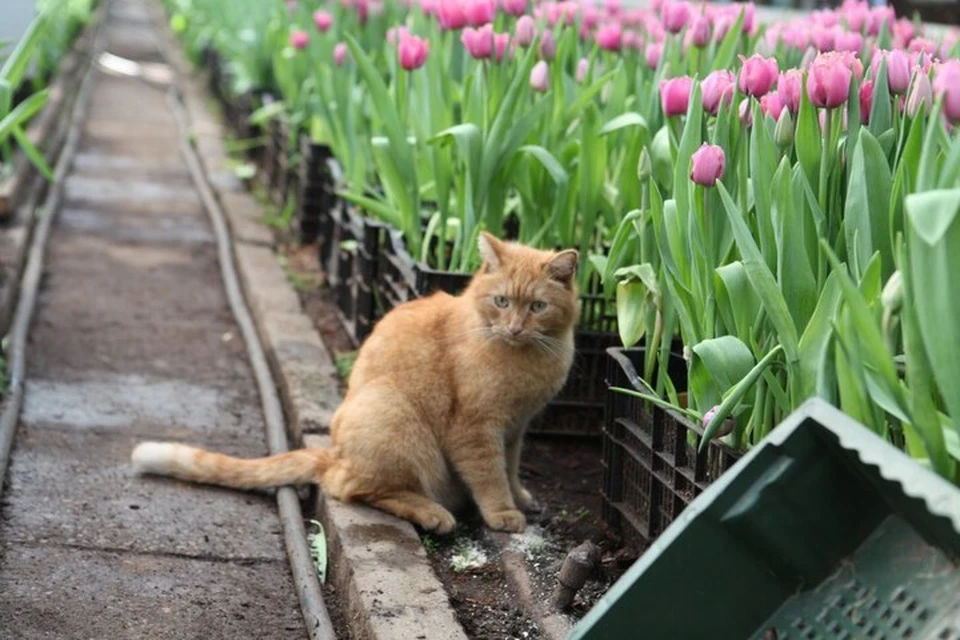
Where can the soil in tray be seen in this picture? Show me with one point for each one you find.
(564, 476)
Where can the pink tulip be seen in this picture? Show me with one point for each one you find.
(340, 53)
(757, 75)
(866, 101)
(822, 39)
(700, 31)
(772, 105)
(515, 7)
(855, 15)
(921, 95)
(707, 164)
(583, 67)
(653, 53)
(708, 416)
(675, 15)
(790, 86)
(478, 42)
(878, 17)
(548, 46)
(412, 52)
(479, 12)
(629, 40)
(452, 14)
(922, 45)
(524, 32)
(828, 82)
(717, 87)
(540, 77)
(396, 34)
(899, 67)
(946, 82)
(609, 37)
(500, 43)
(847, 41)
(903, 31)
(796, 37)
(322, 19)
(430, 8)
(720, 27)
(299, 39)
(590, 16)
(675, 95)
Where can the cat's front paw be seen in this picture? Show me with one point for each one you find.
(511, 521)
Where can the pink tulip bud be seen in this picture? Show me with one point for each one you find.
(790, 86)
(772, 105)
(548, 46)
(652, 54)
(452, 14)
(515, 7)
(479, 12)
(707, 164)
(340, 53)
(430, 8)
(478, 42)
(675, 15)
(675, 95)
(757, 75)
(866, 101)
(717, 87)
(583, 67)
(322, 19)
(708, 416)
(412, 52)
(299, 39)
(629, 40)
(899, 67)
(920, 97)
(540, 77)
(828, 82)
(946, 82)
(721, 26)
(700, 31)
(524, 32)
(609, 37)
(501, 41)
(847, 41)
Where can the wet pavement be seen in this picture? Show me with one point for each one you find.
(133, 339)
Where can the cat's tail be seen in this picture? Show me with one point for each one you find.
(301, 466)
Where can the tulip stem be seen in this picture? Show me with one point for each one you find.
(825, 169)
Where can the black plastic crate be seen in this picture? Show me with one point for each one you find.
(269, 158)
(318, 173)
(282, 183)
(651, 467)
(578, 409)
(354, 269)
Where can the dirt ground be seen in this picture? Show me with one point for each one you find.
(564, 475)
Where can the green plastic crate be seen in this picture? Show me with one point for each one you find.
(824, 530)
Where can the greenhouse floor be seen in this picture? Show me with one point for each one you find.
(133, 339)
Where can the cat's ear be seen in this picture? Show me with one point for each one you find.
(563, 266)
(491, 250)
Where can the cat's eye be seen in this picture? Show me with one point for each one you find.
(501, 301)
(537, 306)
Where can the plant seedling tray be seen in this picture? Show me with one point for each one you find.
(823, 530)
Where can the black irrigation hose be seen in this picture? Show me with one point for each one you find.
(32, 274)
(314, 611)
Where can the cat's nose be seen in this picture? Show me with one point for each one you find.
(515, 328)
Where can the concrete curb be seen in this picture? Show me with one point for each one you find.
(377, 562)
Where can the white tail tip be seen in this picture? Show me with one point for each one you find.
(155, 457)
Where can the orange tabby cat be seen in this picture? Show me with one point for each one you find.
(438, 400)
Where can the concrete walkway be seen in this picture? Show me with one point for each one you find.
(133, 339)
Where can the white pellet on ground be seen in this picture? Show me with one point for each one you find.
(530, 543)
